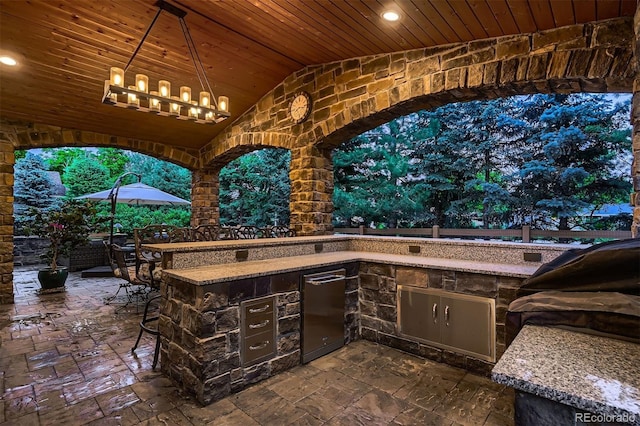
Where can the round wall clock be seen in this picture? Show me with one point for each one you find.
(300, 107)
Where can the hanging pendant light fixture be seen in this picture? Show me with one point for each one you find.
(139, 97)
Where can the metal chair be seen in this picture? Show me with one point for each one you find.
(279, 231)
(154, 331)
(151, 234)
(147, 262)
(247, 232)
(134, 284)
(206, 233)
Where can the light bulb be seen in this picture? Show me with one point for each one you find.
(223, 103)
(8, 60)
(164, 87)
(174, 108)
(194, 110)
(185, 94)
(142, 83)
(154, 104)
(116, 76)
(132, 98)
(390, 15)
(204, 99)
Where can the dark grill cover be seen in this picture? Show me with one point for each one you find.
(611, 266)
(611, 313)
(595, 290)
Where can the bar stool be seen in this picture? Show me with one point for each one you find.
(145, 328)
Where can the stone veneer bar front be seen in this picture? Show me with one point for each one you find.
(204, 283)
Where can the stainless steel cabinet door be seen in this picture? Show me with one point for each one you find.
(467, 324)
(458, 322)
(420, 314)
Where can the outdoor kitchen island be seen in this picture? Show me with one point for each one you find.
(223, 299)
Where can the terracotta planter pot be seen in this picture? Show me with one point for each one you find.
(52, 279)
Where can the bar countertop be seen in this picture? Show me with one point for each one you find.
(212, 274)
(593, 373)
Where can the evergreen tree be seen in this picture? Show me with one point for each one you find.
(540, 159)
(163, 175)
(114, 159)
(32, 188)
(255, 189)
(85, 175)
(58, 159)
(375, 178)
(568, 157)
(447, 159)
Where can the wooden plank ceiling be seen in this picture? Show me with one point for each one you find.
(65, 48)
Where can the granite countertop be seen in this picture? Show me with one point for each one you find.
(597, 374)
(231, 271)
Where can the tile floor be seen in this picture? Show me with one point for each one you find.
(65, 359)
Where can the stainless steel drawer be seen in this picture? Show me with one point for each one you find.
(254, 308)
(259, 347)
(258, 323)
(258, 329)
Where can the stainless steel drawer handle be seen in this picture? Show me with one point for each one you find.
(446, 315)
(255, 311)
(326, 280)
(434, 313)
(259, 325)
(260, 346)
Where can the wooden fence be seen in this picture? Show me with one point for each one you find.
(525, 235)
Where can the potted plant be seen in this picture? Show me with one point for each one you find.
(66, 227)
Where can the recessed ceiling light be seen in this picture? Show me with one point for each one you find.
(390, 15)
(8, 60)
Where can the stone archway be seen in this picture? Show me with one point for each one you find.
(29, 135)
(16, 135)
(352, 96)
(205, 184)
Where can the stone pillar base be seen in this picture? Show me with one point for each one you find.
(205, 208)
(311, 201)
(6, 221)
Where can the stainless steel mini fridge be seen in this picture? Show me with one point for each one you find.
(322, 313)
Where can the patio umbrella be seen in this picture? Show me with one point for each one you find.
(134, 193)
(137, 193)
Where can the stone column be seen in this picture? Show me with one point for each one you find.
(635, 121)
(7, 160)
(311, 204)
(205, 208)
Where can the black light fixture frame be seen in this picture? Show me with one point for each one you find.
(110, 89)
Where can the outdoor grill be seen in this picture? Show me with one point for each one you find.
(594, 290)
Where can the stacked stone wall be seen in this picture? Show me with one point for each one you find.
(379, 312)
(7, 160)
(635, 122)
(28, 250)
(205, 188)
(200, 331)
(311, 205)
(201, 340)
